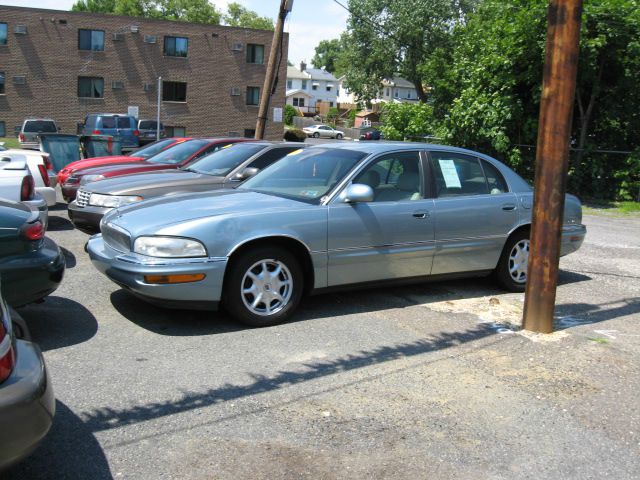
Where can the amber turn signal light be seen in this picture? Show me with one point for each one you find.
(184, 278)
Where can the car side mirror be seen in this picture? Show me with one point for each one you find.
(5, 159)
(246, 173)
(356, 193)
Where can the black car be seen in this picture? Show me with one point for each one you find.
(27, 404)
(31, 265)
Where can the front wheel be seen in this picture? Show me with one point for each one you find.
(511, 272)
(264, 286)
(339, 136)
(316, 135)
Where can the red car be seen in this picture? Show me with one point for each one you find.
(135, 156)
(173, 157)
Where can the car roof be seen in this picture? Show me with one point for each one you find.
(389, 146)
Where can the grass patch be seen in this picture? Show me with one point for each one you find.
(600, 340)
(603, 207)
(10, 142)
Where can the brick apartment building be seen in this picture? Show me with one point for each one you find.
(65, 65)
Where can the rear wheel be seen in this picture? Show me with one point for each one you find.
(264, 286)
(339, 136)
(511, 272)
(316, 135)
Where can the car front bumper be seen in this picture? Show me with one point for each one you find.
(27, 405)
(86, 219)
(31, 276)
(572, 238)
(128, 270)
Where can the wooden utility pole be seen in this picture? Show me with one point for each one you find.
(554, 129)
(274, 56)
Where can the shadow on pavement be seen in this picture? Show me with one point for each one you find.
(574, 314)
(69, 450)
(58, 224)
(107, 418)
(59, 322)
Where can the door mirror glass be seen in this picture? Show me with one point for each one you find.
(246, 173)
(356, 193)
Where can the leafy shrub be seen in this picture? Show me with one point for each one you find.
(295, 135)
(289, 113)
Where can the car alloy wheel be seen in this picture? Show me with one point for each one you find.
(266, 287)
(511, 271)
(519, 260)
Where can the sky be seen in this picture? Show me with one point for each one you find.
(308, 23)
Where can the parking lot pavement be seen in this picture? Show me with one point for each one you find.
(428, 381)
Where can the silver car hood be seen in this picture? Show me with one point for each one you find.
(173, 215)
(139, 182)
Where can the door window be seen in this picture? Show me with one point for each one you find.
(395, 177)
(495, 180)
(458, 174)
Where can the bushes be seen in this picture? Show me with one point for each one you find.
(289, 113)
(295, 135)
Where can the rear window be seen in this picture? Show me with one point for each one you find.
(108, 122)
(149, 125)
(40, 126)
(226, 159)
(125, 122)
(153, 148)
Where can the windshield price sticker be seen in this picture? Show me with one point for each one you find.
(295, 152)
(450, 174)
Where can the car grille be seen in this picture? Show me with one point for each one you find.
(82, 198)
(116, 237)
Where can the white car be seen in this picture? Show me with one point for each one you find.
(325, 131)
(16, 183)
(40, 168)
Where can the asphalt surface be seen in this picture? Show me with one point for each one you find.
(429, 381)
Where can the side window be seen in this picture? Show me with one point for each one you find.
(495, 180)
(458, 174)
(394, 178)
(271, 156)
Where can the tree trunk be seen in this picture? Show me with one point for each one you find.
(586, 114)
(420, 91)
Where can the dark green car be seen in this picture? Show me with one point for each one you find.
(31, 265)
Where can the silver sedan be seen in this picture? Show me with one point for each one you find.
(324, 131)
(323, 218)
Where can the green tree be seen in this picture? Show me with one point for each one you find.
(330, 55)
(239, 16)
(289, 113)
(97, 6)
(396, 37)
(130, 8)
(198, 11)
(401, 121)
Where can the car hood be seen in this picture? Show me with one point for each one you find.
(126, 168)
(99, 161)
(139, 182)
(161, 215)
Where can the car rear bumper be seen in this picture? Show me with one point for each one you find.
(32, 276)
(27, 405)
(572, 238)
(128, 271)
(86, 219)
(48, 194)
(35, 145)
(40, 204)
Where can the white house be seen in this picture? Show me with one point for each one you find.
(396, 89)
(312, 87)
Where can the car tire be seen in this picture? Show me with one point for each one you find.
(339, 136)
(511, 272)
(242, 289)
(316, 135)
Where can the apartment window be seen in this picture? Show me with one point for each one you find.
(255, 53)
(90, 87)
(304, 84)
(298, 102)
(3, 129)
(92, 40)
(330, 104)
(3, 33)
(176, 46)
(387, 93)
(174, 92)
(2, 83)
(328, 88)
(409, 95)
(396, 93)
(314, 86)
(289, 84)
(253, 95)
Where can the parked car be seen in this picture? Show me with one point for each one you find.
(225, 168)
(17, 184)
(324, 131)
(114, 124)
(40, 168)
(27, 403)
(31, 265)
(31, 128)
(327, 216)
(149, 130)
(171, 158)
(373, 134)
(138, 155)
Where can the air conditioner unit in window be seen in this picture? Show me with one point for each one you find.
(117, 85)
(135, 29)
(148, 87)
(235, 92)
(118, 37)
(20, 29)
(19, 79)
(149, 39)
(236, 47)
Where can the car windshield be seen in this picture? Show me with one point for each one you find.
(179, 153)
(225, 160)
(153, 148)
(40, 126)
(305, 175)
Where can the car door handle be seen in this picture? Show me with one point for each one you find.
(421, 214)
(509, 206)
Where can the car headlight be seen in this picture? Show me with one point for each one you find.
(112, 201)
(91, 178)
(169, 247)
